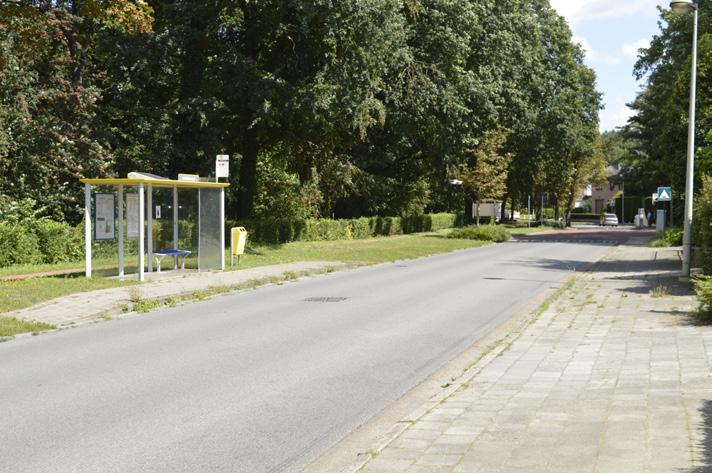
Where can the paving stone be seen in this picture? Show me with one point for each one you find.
(85, 307)
(623, 388)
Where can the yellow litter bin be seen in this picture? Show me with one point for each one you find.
(238, 238)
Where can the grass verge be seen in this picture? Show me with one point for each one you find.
(15, 295)
(19, 294)
(10, 326)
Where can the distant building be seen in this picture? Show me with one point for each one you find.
(603, 194)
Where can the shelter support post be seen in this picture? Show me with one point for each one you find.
(175, 226)
(141, 231)
(222, 229)
(149, 226)
(121, 231)
(199, 239)
(87, 230)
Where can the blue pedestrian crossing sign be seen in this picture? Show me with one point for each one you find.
(664, 194)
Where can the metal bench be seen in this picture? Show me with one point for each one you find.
(158, 256)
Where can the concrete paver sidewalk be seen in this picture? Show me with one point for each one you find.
(85, 307)
(613, 377)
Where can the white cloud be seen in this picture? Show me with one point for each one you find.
(630, 50)
(576, 11)
(594, 56)
(615, 117)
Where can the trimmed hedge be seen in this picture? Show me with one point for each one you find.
(283, 230)
(46, 241)
(585, 216)
(483, 233)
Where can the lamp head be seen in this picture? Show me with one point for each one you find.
(682, 7)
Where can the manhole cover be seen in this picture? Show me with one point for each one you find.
(325, 299)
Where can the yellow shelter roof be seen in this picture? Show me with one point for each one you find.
(152, 182)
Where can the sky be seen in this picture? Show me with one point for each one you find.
(611, 32)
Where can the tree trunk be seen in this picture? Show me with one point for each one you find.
(569, 206)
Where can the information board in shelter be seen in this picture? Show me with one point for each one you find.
(104, 216)
(132, 215)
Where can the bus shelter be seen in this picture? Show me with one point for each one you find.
(123, 208)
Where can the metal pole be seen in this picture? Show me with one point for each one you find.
(222, 228)
(623, 204)
(175, 226)
(87, 230)
(141, 231)
(121, 231)
(542, 209)
(689, 181)
(149, 229)
(529, 211)
(199, 222)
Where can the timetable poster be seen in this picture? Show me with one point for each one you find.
(132, 215)
(104, 216)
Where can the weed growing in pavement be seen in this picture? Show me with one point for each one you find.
(134, 295)
(201, 295)
(146, 305)
(658, 292)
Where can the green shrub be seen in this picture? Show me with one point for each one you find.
(484, 233)
(584, 216)
(59, 242)
(18, 245)
(703, 289)
(417, 223)
(360, 228)
(703, 224)
(671, 237)
(386, 226)
(187, 235)
(328, 230)
(441, 221)
(284, 230)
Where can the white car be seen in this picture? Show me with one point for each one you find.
(609, 220)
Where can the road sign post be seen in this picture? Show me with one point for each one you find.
(665, 195)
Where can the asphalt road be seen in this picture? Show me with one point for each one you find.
(260, 381)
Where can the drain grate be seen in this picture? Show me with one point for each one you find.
(325, 299)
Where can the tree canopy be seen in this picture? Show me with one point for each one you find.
(652, 147)
(327, 108)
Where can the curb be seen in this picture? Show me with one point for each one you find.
(489, 347)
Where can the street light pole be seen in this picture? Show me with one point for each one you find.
(683, 7)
